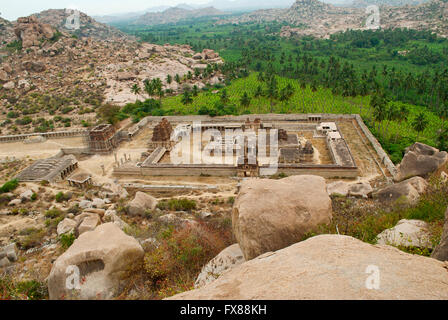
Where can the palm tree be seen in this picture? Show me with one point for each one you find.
(195, 91)
(258, 92)
(245, 100)
(272, 91)
(135, 89)
(186, 97)
(149, 87)
(224, 96)
(169, 79)
(420, 123)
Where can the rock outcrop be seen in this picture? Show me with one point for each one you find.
(227, 259)
(420, 160)
(408, 190)
(31, 31)
(270, 215)
(330, 267)
(104, 258)
(141, 203)
(441, 251)
(407, 233)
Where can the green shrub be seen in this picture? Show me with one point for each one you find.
(24, 290)
(33, 238)
(67, 240)
(53, 213)
(9, 186)
(177, 205)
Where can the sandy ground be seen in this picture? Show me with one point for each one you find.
(363, 153)
(42, 150)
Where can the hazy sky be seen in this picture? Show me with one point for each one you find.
(12, 9)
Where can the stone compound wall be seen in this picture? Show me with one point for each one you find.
(47, 135)
(377, 146)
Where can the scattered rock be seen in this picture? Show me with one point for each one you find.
(407, 233)
(9, 85)
(84, 204)
(205, 215)
(197, 56)
(441, 251)
(4, 262)
(338, 188)
(88, 223)
(3, 76)
(361, 190)
(15, 202)
(125, 76)
(227, 259)
(117, 190)
(329, 267)
(420, 160)
(111, 216)
(26, 195)
(98, 203)
(141, 203)
(105, 257)
(33, 66)
(296, 205)
(66, 226)
(410, 190)
(149, 244)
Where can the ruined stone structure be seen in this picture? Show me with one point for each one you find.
(330, 157)
(102, 139)
(51, 169)
(161, 136)
(80, 180)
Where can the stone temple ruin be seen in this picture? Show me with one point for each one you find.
(51, 169)
(296, 153)
(102, 139)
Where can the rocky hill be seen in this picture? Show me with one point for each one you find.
(176, 14)
(320, 20)
(56, 74)
(89, 27)
(6, 31)
(392, 3)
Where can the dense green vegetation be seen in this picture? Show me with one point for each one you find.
(290, 96)
(396, 79)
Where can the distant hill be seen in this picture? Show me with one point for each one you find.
(176, 14)
(392, 3)
(89, 27)
(319, 19)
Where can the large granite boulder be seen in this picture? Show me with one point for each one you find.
(270, 214)
(408, 190)
(420, 160)
(441, 251)
(407, 233)
(330, 267)
(227, 259)
(66, 226)
(141, 203)
(104, 257)
(30, 31)
(357, 189)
